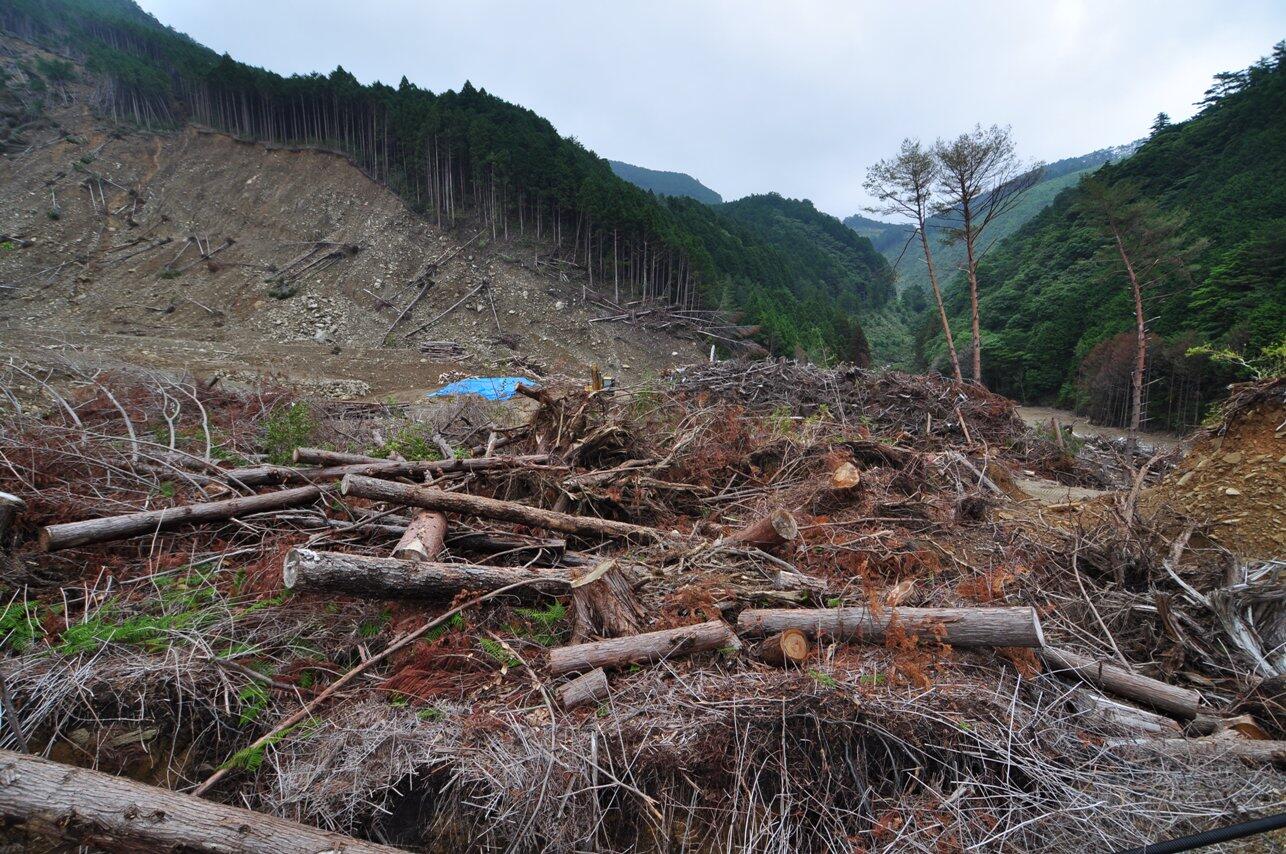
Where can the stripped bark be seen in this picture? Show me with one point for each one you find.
(424, 539)
(390, 578)
(652, 646)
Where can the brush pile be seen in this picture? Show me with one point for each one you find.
(750, 606)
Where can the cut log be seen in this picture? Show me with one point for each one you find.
(772, 530)
(390, 578)
(54, 537)
(424, 539)
(11, 506)
(587, 688)
(604, 604)
(323, 457)
(105, 812)
(265, 475)
(491, 508)
(955, 626)
(1124, 683)
(652, 646)
(1099, 709)
(1248, 750)
(788, 648)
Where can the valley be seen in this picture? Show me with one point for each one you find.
(384, 470)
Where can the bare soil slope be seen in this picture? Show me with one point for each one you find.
(111, 214)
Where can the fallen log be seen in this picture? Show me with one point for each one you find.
(265, 475)
(491, 508)
(390, 578)
(1248, 750)
(1019, 626)
(1095, 707)
(788, 648)
(323, 457)
(11, 506)
(105, 812)
(1124, 683)
(772, 530)
(107, 529)
(424, 539)
(587, 688)
(638, 649)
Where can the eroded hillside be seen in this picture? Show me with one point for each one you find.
(309, 264)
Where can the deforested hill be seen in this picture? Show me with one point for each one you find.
(890, 238)
(665, 183)
(458, 158)
(1054, 298)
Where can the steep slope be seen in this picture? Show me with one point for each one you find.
(891, 238)
(462, 159)
(1053, 303)
(99, 256)
(665, 183)
(797, 273)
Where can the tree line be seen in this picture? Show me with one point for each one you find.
(470, 155)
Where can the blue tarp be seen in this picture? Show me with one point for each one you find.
(489, 388)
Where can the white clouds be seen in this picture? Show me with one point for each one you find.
(752, 95)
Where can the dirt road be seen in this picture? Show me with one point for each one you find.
(1038, 416)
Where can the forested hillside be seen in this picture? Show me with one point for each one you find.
(788, 260)
(912, 275)
(665, 183)
(456, 157)
(1055, 300)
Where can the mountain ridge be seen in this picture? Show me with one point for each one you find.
(665, 183)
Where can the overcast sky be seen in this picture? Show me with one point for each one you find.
(792, 95)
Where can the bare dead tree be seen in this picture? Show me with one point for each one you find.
(904, 185)
(1150, 246)
(980, 178)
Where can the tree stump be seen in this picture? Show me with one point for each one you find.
(604, 605)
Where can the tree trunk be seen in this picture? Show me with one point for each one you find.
(1140, 339)
(587, 688)
(390, 578)
(10, 508)
(652, 646)
(604, 604)
(1248, 750)
(942, 310)
(491, 508)
(424, 539)
(1017, 626)
(784, 648)
(1100, 709)
(1118, 680)
(54, 537)
(112, 813)
(768, 531)
(264, 475)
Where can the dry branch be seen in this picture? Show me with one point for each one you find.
(491, 508)
(265, 475)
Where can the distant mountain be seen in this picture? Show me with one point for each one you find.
(887, 237)
(665, 183)
(890, 238)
